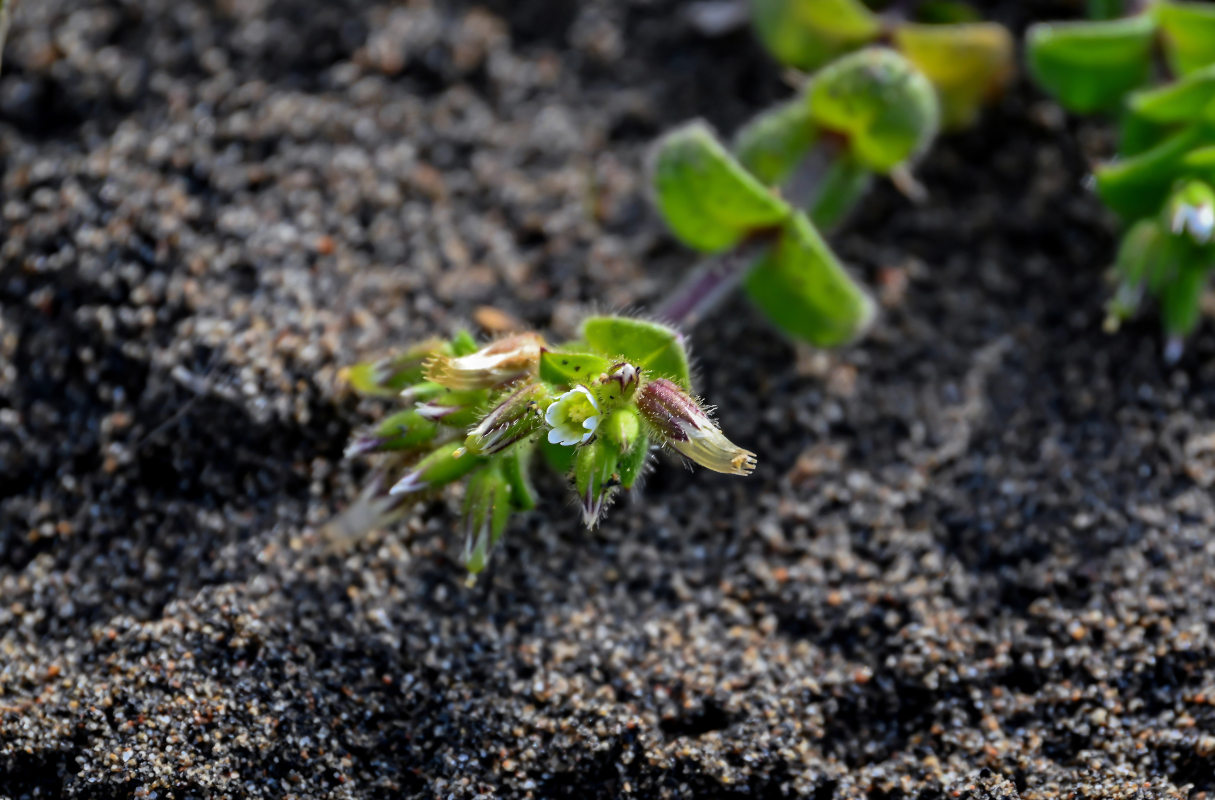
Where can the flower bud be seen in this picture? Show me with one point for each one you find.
(595, 478)
(455, 409)
(486, 512)
(446, 464)
(681, 423)
(496, 364)
(388, 376)
(404, 430)
(519, 415)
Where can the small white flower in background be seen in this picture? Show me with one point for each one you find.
(1199, 220)
(573, 417)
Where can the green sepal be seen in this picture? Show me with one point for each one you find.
(632, 460)
(1091, 66)
(1200, 162)
(1185, 100)
(805, 291)
(966, 63)
(708, 200)
(595, 478)
(566, 368)
(487, 509)
(654, 348)
(1188, 30)
(879, 100)
(463, 344)
(774, 142)
(1136, 187)
(805, 34)
(515, 469)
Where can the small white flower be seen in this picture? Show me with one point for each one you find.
(573, 417)
(1199, 220)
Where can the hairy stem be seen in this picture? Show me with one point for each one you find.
(706, 285)
(827, 182)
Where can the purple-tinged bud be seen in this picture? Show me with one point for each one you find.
(680, 422)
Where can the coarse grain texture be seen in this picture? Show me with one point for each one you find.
(975, 560)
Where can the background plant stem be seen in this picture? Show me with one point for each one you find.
(827, 182)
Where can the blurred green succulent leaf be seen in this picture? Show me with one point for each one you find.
(654, 348)
(1091, 66)
(966, 63)
(805, 291)
(1181, 299)
(945, 12)
(1187, 99)
(708, 200)
(881, 102)
(1188, 30)
(1137, 263)
(1138, 186)
(805, 34)
(775, 141)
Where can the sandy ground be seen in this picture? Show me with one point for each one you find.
(975, 560)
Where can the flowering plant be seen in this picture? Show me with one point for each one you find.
(595, 408)
(1160, 183)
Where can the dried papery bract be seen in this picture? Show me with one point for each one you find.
(496, 364)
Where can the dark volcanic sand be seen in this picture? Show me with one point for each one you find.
(975, 560)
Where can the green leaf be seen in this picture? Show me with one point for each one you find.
(1184, 100)
(1090, 66)
(966, 63)
(463, 344)
(804, 290)
(649, 346)
(881, 102)
(805, 34)
(775, 141)
(565, 368)
(709, 201)
(1189, 34)
(1138, 186)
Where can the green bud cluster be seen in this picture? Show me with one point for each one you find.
(596, 408)
(1160, 182)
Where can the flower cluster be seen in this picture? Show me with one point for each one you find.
(595, 409)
